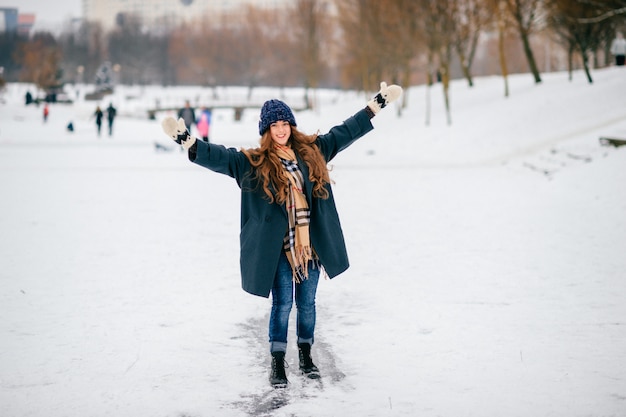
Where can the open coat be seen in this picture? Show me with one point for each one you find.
(264, 224)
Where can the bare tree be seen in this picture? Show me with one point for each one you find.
(249, 47)
(96, 49)
(361, 26)
(204, 47)
(525, 15)
(609, 10)
(439, 31)
(10, 43)
(309, 21)
(75, 54)
(40, 60)
(135, 51)
(497, 9)
(564, 18)
(404, 41)
(253, 47)
(382, 40)
(471, 18)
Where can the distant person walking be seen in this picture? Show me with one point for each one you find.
(204, 123)
(46, 112)
(111, 112)
(618, 49)
(99, 115)
(188, 114)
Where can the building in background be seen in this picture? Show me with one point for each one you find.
(12, 21)
(25, 23)
(163, 14)
(8, 19)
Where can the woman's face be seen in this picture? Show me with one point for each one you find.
(280, 132)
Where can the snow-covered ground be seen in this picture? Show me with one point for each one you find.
(488, 261)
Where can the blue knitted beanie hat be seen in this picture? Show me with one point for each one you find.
(274, 111)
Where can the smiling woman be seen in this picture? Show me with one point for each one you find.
(290, 229)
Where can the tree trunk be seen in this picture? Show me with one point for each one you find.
(465, 68)
(585, 56)
(570, 63)
(429, 84)
(503, 67)
(530, 57)
(445, 82)
(307, 98)
(406, 80)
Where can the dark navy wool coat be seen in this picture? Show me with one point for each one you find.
(264, 224)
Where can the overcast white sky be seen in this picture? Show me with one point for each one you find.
(48, 13)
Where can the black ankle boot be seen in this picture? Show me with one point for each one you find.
(306, 363)
(278, 378)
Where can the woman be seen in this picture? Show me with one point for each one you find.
(289, 223)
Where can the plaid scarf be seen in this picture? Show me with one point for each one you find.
(297, 244)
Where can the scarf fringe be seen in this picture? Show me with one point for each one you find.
(300, 268)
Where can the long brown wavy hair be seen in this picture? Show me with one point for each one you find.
(270, 171)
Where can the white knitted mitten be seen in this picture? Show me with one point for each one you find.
(178, 131)
(386, 95)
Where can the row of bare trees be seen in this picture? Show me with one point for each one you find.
(348, 43)
(403, 37)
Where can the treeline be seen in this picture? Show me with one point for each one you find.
(318, 43)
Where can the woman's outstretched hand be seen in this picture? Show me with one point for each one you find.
(178, 131)
(386, 95)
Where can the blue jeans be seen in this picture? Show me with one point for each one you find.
(282, 299)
